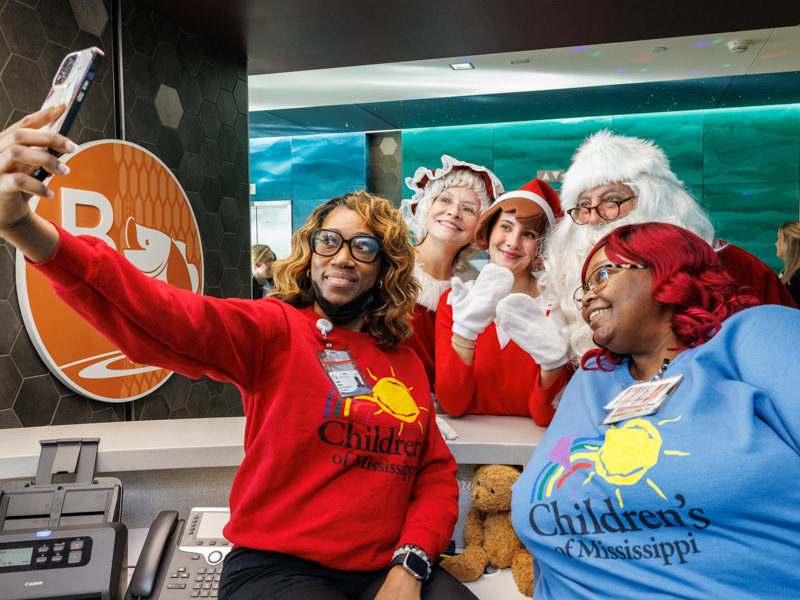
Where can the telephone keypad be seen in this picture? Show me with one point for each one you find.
(205, 581)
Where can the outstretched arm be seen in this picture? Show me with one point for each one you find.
(23, 148)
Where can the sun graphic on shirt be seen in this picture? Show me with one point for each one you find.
(623, 456)
(393, 397)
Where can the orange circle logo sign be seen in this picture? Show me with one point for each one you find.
(126, 196)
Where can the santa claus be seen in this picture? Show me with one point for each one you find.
(616, 180)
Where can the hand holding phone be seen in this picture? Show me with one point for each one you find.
(69, 88)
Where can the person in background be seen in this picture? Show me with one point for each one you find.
(262, 258)
(442, 216)
(485, 363)
(658, 469)
(788, 250)
(616, 180)
(317, 511)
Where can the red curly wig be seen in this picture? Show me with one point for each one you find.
(687, 278)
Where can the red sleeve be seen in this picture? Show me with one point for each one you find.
(422, 340)
(157, 324)
(747, 270)
(433, 507)
(541, 400)
(455, 380)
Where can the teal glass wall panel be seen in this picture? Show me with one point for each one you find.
(678, 134)
(752, 144)
(271, 168)
(326, 166)
(302, 208)
(522, 149)
(424, 148)
(749, 215)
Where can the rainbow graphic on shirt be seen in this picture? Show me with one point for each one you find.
(622, 456)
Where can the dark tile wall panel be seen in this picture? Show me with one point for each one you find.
(386, 165)
(185, 100)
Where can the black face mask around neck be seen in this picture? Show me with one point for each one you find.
(342, 315)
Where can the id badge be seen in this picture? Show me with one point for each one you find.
(344, 372)
(641, 399)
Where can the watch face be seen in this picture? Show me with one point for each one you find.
(416, 565)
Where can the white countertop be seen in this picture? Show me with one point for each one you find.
(198, 443)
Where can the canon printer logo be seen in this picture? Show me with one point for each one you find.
(32, 583)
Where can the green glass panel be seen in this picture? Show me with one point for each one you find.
(752, 144)
(678, 134)
(749, 215)
(522, 149)
(424, 148)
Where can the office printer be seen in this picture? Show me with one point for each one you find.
(60, 535)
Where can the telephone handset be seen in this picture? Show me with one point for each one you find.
(161, 541)
(156, 555)
(181, 559)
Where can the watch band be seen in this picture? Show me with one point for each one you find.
(414, 560)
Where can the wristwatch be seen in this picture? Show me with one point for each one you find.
(414, 560)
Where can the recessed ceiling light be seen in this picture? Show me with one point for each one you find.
(658, 49)
(461, 66)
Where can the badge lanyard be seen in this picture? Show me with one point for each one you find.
(340, 366)
(642, 399)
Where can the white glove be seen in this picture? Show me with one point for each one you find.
(474, 308)
(526, 322)
(447, 432)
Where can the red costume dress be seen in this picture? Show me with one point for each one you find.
(501, 380)
(423, 317)
(340, 481)
(748, 271)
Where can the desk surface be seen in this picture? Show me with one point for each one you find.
(199, 443)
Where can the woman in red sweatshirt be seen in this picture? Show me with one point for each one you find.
(347, 489)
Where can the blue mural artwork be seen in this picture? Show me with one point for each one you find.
(742, 164)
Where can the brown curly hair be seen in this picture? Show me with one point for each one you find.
(397, 288)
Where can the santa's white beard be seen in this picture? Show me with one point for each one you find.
(567, 248)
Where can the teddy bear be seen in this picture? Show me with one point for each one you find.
(488, 532)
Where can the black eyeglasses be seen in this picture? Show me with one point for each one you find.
(363, 248)
(608, 210)
(597, 280)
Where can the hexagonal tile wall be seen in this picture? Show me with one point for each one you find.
(386, 167)
(185, 100)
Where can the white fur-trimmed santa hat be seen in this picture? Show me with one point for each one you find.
(607, 158)
(535, 206)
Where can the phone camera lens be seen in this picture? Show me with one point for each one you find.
(65, 69)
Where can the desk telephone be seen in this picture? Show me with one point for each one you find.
(181, 560)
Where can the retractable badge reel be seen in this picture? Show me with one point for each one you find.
(340, 366)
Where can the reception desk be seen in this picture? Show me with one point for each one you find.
(180, 464)
(205, 443)
(183, 463)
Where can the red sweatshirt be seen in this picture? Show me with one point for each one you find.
(341, 481)
(498, 381)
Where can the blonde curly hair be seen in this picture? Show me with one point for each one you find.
(396, 291)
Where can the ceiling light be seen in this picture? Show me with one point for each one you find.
(519, 61)
(658, 49)
(461, 66)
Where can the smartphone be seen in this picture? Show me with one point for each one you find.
(69, 88)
